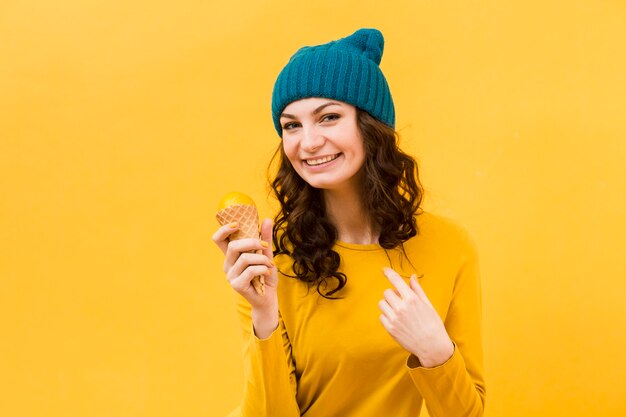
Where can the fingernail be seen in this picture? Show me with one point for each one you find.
(232, 225)
(265, 244)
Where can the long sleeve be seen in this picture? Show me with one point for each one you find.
(270, 380)
(333, 357)
(457, 387)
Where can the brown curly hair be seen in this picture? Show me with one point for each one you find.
(391, 192)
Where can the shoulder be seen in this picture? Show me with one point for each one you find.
(431, 224)
(444, 233)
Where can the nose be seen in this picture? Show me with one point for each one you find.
(312, 139)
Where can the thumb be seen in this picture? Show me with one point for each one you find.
(266, 236)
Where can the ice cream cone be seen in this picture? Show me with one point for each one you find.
(247, 218)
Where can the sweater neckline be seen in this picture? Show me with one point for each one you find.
(358, 246)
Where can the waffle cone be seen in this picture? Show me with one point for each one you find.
(247, 218)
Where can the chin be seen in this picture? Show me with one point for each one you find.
(317, 184)
(325, 185)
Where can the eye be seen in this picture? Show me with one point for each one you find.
(290, 125)
(330, 117)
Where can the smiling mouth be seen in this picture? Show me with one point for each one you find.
(322, 160)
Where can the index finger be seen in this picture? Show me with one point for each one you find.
(220, 237)
(397, 281)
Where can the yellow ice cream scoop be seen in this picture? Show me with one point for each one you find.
(238, 207)
(234, 198)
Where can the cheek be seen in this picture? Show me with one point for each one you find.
(359, 152)
(290, 151)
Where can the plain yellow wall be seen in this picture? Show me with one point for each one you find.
(123, 122)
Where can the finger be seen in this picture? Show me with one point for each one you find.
(398, 282)
(246, 260)
(237, 247)
(392, 299)
(266, 236)
(220, 237)
(386, 309)
(244, 281)
(386, 323)
(417, 288)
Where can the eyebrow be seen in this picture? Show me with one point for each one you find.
(317, 110)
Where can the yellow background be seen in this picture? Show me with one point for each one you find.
(122, 123)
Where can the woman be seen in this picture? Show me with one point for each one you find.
(371, 305)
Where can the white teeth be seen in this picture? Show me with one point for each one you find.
(320, 161)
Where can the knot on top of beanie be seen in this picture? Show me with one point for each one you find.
(367, 42)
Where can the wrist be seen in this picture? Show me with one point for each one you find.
(264, 321)
(437, 356)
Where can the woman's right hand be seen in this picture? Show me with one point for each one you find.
(242, 264)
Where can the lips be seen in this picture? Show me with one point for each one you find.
(321, 160)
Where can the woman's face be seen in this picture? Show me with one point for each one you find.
(322, 141)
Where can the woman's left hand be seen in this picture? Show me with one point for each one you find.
(413, 322)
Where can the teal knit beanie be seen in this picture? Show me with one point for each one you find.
(346, 70)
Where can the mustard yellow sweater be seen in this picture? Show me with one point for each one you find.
(333, 358)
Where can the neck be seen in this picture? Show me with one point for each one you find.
(346, 212)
